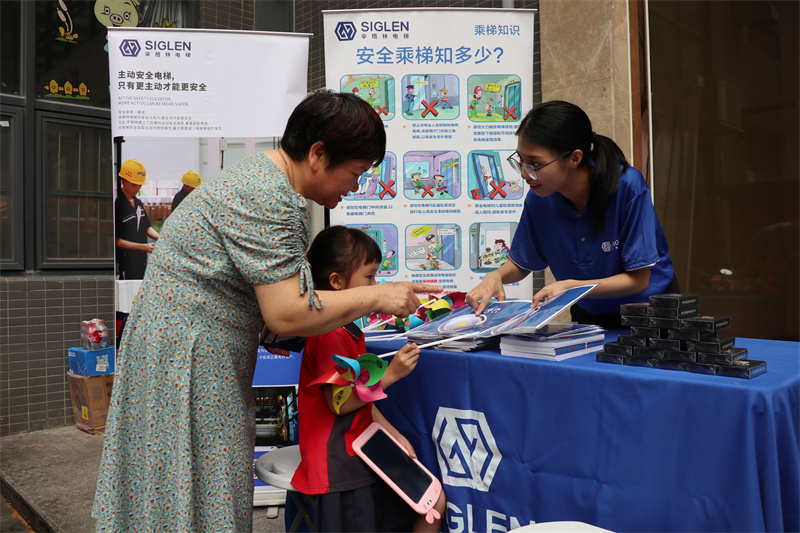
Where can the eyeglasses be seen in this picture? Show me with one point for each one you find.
(531, 170)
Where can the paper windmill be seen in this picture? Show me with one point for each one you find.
(362, 375)
(430, 308)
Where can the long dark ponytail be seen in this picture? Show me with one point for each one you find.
(565, 127)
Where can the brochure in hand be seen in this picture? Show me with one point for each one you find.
(507, 317)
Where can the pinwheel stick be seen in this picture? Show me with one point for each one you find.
(438, 341)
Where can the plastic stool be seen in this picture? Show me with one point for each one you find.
(277, 469)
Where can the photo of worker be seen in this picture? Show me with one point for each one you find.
(379, 182)
(134, 237)
(490, 177)
(494, 98)
(432, 175)
(376, 89)
(386, 236)
(489, 243)
(433, 247)
(431, 97)
(190, 181)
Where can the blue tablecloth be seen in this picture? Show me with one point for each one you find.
(624, 448)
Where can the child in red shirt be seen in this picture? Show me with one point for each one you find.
(349, 495)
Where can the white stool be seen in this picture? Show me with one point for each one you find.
(277, 468)
(559, 527)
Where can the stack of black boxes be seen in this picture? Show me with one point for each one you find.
(669, 333)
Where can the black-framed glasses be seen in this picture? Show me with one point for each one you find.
(531, 170)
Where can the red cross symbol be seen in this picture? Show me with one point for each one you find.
(388, 189)
(382, 109)
(427, 189)
(429, 108)
(510, 112)
(498, 189)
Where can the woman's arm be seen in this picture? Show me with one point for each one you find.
(152, 233)
(492, 285)
(130, 245)
(617, 286)
(286, 311)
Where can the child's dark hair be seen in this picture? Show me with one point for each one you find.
(347, 126)
(565, 127)
(342, 250)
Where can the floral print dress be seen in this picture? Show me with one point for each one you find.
(178, 449)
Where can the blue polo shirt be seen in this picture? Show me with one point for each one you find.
(552, 233)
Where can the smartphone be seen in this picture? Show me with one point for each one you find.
(404, 474)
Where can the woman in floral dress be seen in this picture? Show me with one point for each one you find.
(178, 449)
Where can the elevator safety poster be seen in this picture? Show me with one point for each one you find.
(451, 86)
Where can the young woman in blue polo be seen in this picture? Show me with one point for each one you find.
(588, 216)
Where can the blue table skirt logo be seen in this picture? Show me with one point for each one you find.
(130, 47)
(467, 452)
(345, 31)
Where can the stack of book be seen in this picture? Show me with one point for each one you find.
(554, 342)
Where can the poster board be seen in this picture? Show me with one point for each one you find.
(451, 86)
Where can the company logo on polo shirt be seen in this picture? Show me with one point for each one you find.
(130, 47)
(466, 449)
(608, 246)
(345, 31)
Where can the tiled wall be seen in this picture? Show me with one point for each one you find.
(227, 14)
(40, 319)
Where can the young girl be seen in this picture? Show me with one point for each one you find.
(588, 217)
(349, 495)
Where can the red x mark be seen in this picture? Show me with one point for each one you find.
(388, 189)
(382, 109)
(510, 112)
(429, 108)
(498, 189)
(427, 189)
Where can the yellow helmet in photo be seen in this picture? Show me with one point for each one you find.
(133, 171)
(192, 179)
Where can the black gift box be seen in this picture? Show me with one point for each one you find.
(726, 357)
(618, 349)
(668, 364)
(714, 346)
(700, 368)
(668, 323)
(648, 352)
(680, 355)
(742, 368)
(634, 360)
(647, 331)
(666, 344)
(633, 320)
(634, 309)
(690, 335)
(630, 340)
(674, 300)
(673, 312)
(605, 357)
(706, 323)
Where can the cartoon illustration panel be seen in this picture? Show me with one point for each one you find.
(431, 96)
(491, 177)
(433, 247)
(494, 98)
(386, 237)
(378, 183)
(376, 89)
(489, 243)
(432, 175)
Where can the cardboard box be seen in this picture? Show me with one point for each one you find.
(90, 397)
(84, 362)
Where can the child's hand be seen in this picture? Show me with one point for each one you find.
(404, 361)
(406, 444)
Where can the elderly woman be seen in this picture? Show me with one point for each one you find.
(178, 450)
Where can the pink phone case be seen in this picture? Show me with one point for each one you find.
(430, 495)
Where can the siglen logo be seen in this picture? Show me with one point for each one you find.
(130, 47)
(467, 452)
(345, 31)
